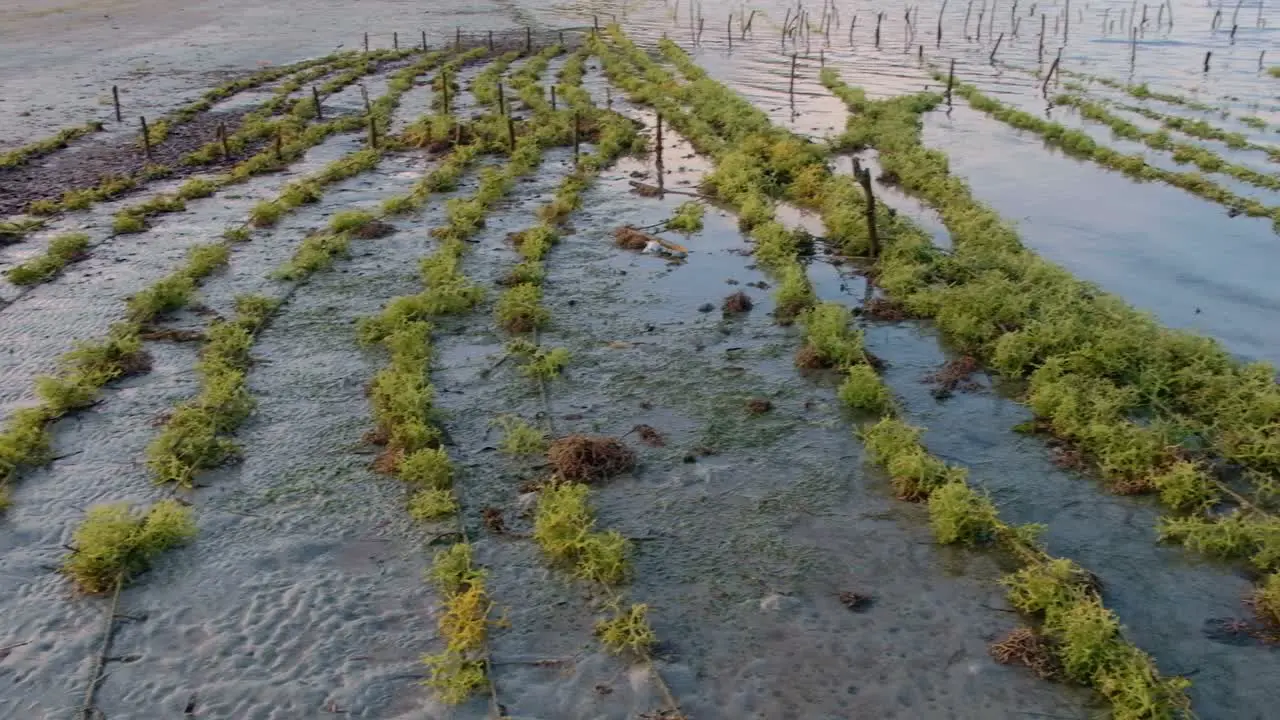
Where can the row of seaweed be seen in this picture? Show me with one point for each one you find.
(401, 395)
(68, 248)
(61, 139)
(293, 135)
(757, 165)
(1079, 143)
(84, 371)
(1150, 409)
(565, 526)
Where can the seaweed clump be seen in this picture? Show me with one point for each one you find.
(588, 459)
(115, 542)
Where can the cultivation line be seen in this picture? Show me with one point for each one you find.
(752, 149)
(564, 524)
(83, 372)
(1093, 362)
(1183, 153)
(401, 394)
(1078, 143)
(62, 138)
(255, 126)
(40, 148)
(132, 219)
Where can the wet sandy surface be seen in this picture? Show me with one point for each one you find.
(303, 594)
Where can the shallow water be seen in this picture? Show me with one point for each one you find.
(303, 595)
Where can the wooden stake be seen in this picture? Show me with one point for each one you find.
(577, 117)
(501, 100)
(658, 147)
(444, 86)
(115, 98)
(511, 133)
(995, 49)
(364, 92)
(366, 42)
(1044, 89)
(608, 97)
(373, 132)
(791, 91)
(951, 80)
(457, 39)
(146, 138)
(879, 17)
(490, 41)
(279, 145)
(968, 9)
(553, 97)
(1066, 23)
(1208, 54)
(1040, 51)
(424, 41)
(728, 31)
(528, 41)
(941, 12)
(864, 178)
(747, 28)
(315, 98)
(1262, 55)
(395, 41)
(222, 137)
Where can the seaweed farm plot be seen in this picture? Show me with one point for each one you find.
(629, 373)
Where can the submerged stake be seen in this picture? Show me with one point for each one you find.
(792, 89)
(1208, 54)
(996, 49)
(115, 98)
(528, 40)
(1044, 89)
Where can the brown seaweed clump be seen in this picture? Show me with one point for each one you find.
(1024, 646)
(629, 238)
(738, 302)
(587, 459)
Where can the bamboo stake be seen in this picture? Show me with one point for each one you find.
(1208, 54)
(1044, 89)
(791, 90)
(941, 12)
(1040, 51)
(996, 49)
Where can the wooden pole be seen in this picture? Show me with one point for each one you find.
(501, 100)
(728, 31)
(364, 92)
(879, 17)
(791, 90)
(279, 145)
(864, 178)
(528, 41)
(444, 87)
(395, 41)
(115, 98)
(490, 41)
(366, 42)
(373, 132)
(553, 97)
(1040, 52)
(577, 117)
(146, 138)
(315, 98)
(424, 41)
(1208, 54)
(608, 97)
(941, 12)
(658, 145)
(511, 133)
(1044, 89)
(222, 137)
(951, 80)
(996, 49)
(457, 39)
